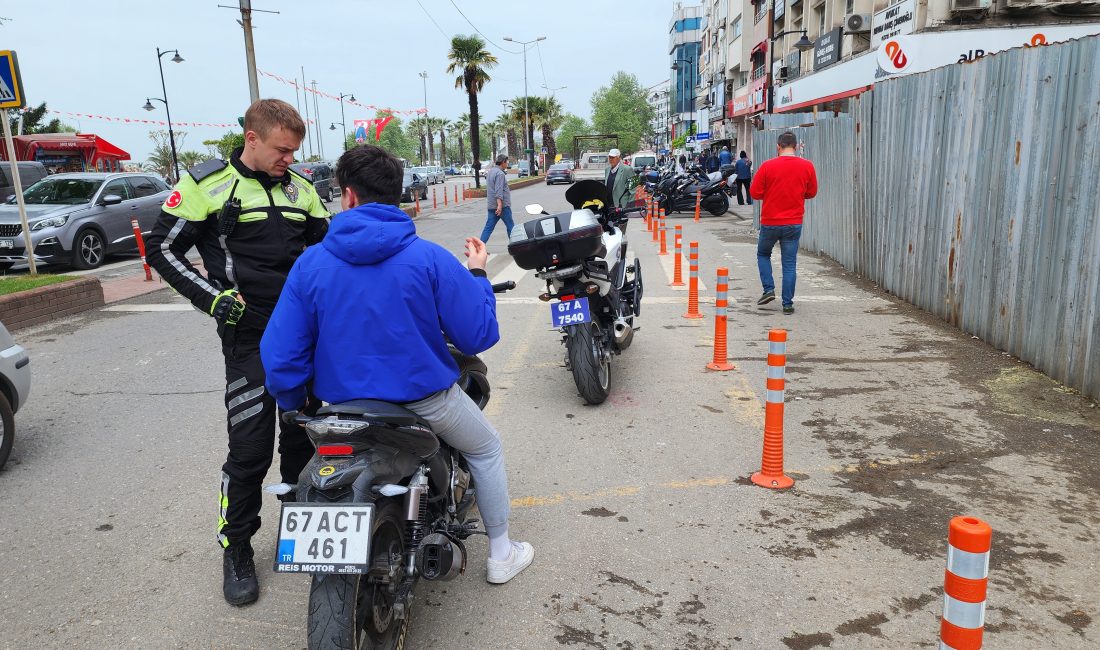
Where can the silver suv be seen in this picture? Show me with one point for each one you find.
(15, 385)
(78, 219)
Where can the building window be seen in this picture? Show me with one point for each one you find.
(849, 5)
(761, 11)
(821, 20)
(735, 31)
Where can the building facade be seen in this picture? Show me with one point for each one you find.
(684, 41)
(658, 97)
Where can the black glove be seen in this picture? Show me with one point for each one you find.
(227, 310)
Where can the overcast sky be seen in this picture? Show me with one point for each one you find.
(100, 57)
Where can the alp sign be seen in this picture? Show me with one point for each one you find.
(895, 55)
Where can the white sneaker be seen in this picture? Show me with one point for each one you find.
(501, 571)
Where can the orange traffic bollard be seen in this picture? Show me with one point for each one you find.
(435, 202)
(416, 202)
(771, 465)
(720, 362)
(964, 583)
(141, 248)
(698, 201)
(664, 238)
(657, 225)
(693, 281)
(677, 271)
(456, 194)
(649, 214)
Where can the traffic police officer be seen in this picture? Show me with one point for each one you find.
(249, 218)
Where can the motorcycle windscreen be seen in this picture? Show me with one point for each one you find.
(582, 192)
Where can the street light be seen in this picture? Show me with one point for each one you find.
(351, 98)
(527, 126)
(691, 82)
(149, 106)
(424, 120)
(802, 45)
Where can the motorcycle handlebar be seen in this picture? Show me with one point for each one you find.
(501, 287)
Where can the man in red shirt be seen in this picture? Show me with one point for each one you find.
(783, 184)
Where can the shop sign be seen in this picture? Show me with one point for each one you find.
(895, 20)
(827, 49)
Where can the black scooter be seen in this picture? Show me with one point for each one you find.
(678, 194)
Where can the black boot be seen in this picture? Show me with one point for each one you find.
(239, 574)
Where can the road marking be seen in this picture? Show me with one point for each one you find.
(150, 307)
(647, 300)
(516, 360)
(512, 272)
(744, 402)
(668, 264)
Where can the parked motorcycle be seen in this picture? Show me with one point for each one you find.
(382, 504)
(677, 193)
(597, 290)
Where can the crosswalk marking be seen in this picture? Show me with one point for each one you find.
(512, 272)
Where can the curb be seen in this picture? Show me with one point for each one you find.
(481, 193)
(37, 306)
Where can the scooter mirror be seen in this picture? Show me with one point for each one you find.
(534, 208)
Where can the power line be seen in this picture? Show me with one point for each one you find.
(479, 31)
(432, 19)
(539, 48)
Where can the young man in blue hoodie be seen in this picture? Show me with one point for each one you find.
(367, 315)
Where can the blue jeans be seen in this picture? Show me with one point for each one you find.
(491, 222)
(787, 237)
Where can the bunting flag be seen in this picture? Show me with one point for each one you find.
(361, 128)
(320, 93)
(134, 120)
(380, 123)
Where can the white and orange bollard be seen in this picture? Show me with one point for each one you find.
(677, 270)
(657, 224)
(693, 281)
(965, 583)
(435, 202)
(141, 248)
(720, 360)
(771, 463)
(664, 237)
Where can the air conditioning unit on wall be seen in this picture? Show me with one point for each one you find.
(857, 23)
(970, 5)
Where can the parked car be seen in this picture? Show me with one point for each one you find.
(413, 185)
(29, 174)
(560, 173)
(15, 386)
(323, 177)
(524, 168)
(643, 160)
(431, 174)
(594, 161)
(78, 219)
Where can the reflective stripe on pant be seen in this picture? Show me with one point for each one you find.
(251, 416)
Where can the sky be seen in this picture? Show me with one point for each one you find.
(99, 58)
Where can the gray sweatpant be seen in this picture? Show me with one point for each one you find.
(455, 418)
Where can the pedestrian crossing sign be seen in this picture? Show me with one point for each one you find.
(11, 85)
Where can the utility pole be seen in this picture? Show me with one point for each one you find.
(424, 121)
(527, 126)
(249, 47)
(317, 122)
(309, 132)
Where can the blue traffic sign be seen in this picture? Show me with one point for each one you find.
(702, 136)
(11, 86)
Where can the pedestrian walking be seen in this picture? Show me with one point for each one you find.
(249, 219)
(724, 157)
(783, 184)
(498, 197)
(618, 177)
(743, 172)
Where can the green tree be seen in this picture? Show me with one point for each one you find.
(226, 144)
(547, 113)
(622, 108)
(394, 139)
(441, 124)
(160, 161)
(458, 129)
(572, 126)
(468, 55)
(189, 159)
(33, 122)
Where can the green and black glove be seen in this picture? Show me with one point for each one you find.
(227, 309)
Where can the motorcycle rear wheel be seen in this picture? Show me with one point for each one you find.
(591, 370)
(347, 612)
(721, 206)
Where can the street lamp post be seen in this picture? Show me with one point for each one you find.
(149, 106)
(802, 45)
(351, 98)
(527, 126)
(691, 87)
(424, 120)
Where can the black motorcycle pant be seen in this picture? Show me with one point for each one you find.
(252, 417)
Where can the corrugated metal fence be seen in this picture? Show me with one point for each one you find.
(972, 191)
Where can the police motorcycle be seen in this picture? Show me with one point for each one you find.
(382, 504)
(677, 193)
(597, 290)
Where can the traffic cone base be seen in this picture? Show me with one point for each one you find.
(714, 365)
(780, 482)
(690, 315)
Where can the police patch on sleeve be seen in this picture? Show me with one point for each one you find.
(174, 200)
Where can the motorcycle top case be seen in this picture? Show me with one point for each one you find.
(552, 240)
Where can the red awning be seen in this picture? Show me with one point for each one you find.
(89, 145)
(106, 149)
(761, 48)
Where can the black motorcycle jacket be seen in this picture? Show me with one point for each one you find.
(249, 247)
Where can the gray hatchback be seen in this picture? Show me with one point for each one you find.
(78, 219)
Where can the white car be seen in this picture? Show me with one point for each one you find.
(15, 386)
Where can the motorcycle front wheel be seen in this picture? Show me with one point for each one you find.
(591, 367)
(349, 612)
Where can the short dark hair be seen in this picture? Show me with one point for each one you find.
(502, 158)
(743, 154)
(372, 173)
(787, 140)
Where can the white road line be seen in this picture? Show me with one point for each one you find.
(150, 307)
(647, 300)
(668, 264)
(512, 272)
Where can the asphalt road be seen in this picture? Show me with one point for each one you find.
(648, 534)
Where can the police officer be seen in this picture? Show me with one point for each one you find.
(249, 218)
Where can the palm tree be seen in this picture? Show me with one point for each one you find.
(441, 124)
(429, 124)
(492, 129)
(547, 113)
(457, 129)
(468, 55)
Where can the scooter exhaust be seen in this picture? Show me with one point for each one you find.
(624, 334)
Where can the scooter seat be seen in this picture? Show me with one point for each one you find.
(374, 410)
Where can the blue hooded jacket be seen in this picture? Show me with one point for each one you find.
(364, 314)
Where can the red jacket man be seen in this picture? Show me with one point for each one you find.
(783, 184)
